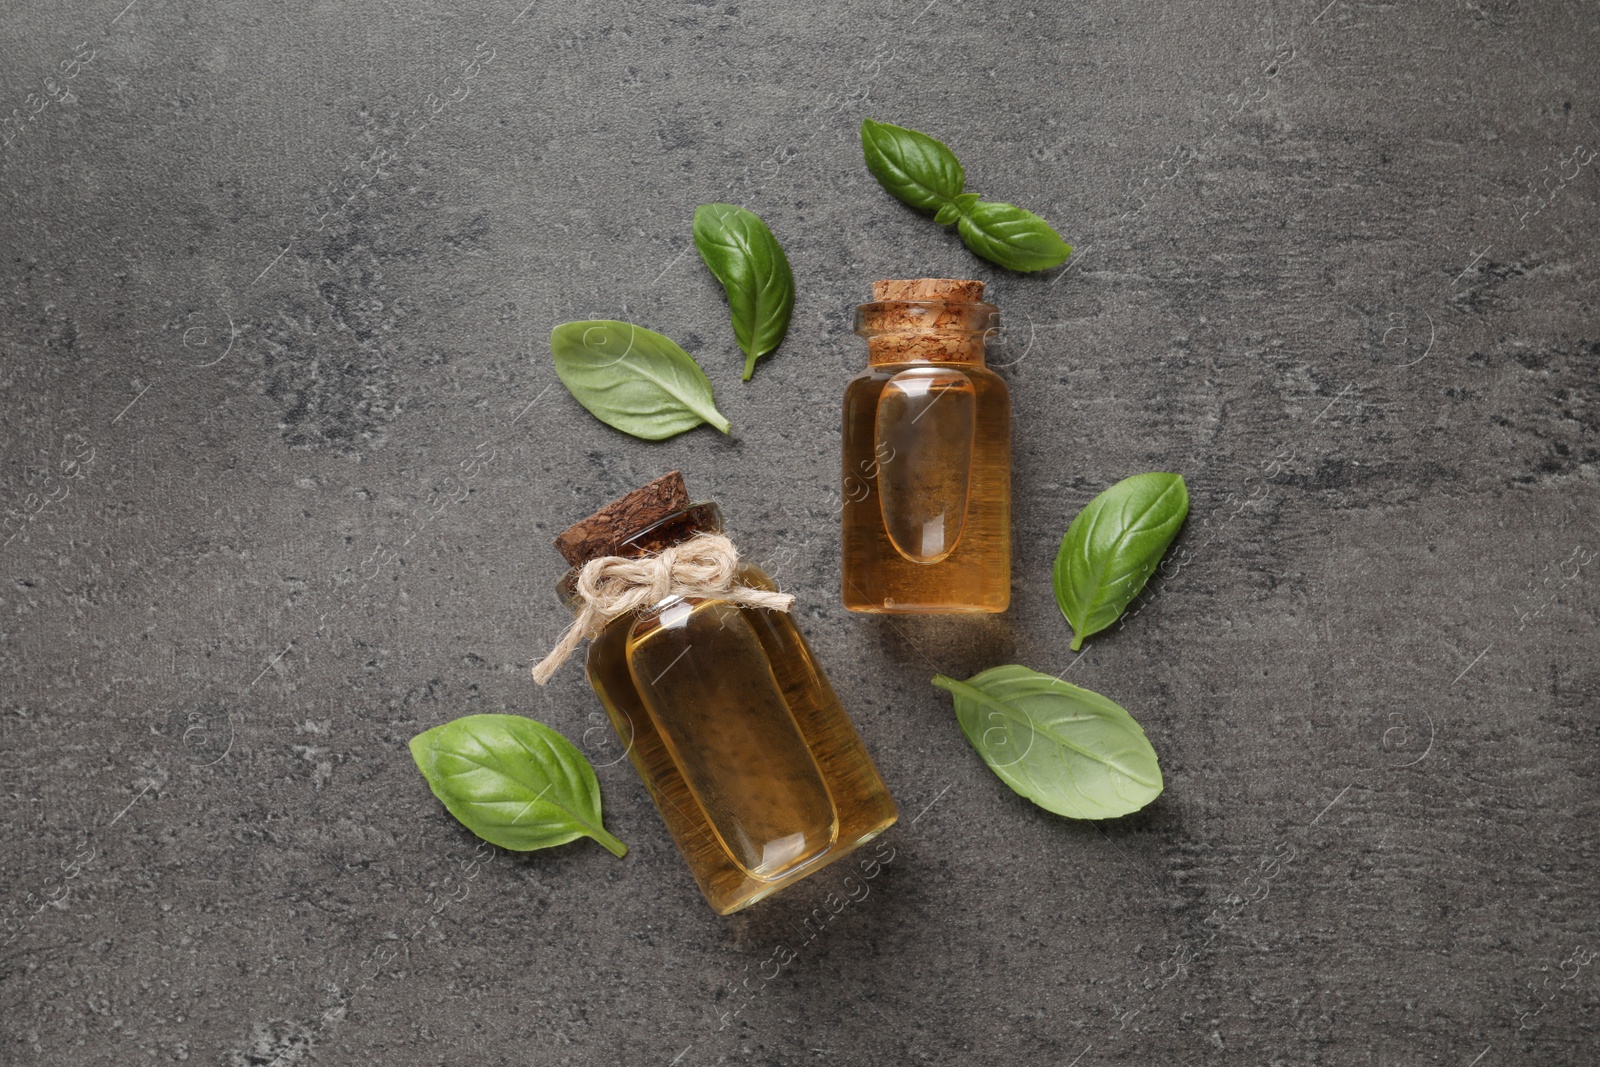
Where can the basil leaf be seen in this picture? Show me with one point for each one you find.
(1067, 749)
(917, 169)
(633, 379)
(924, 173)
(754, 272)
(1113, 546)
(512, 781)
(952, 211)
(1016, 239)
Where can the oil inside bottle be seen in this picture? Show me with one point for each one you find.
(926, 511)
(924, 429)
(703, 677)
(752, 762)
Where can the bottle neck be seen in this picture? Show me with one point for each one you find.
(926, 331)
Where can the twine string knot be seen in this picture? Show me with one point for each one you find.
(705, 566)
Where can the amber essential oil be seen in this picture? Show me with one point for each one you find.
(754, 765)
(926, 511)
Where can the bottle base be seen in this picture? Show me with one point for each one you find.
(895, 607)
(920, 609)
(756, 890)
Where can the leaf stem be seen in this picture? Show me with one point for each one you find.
(613, 846)
(971, 692)
(1077, 641)
(749, 368)
(962, 689)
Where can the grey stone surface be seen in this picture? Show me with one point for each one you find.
(283, 449)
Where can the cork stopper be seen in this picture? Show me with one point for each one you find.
(960, 290)
(648, 504)
(940, 320)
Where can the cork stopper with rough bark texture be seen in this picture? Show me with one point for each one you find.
(596, 535)
(955, 289)
(942, 320)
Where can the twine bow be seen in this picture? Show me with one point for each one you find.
(705, 566)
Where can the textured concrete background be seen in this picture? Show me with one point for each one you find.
(283, 450)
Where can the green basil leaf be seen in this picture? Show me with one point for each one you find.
(1067, 749)
(754, 272)
(512, 781)
(1113, 546)
(953, 210)
(924, 173)
(917, 169)
(633, 379)
(1014, 238)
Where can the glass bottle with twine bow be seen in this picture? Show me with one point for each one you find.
(754, 766)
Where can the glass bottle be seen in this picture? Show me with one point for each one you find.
(926, 512)
(754, 766)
